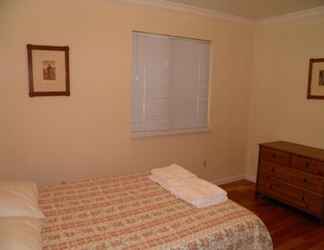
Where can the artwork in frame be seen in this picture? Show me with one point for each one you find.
(316, 79)
(49, 71)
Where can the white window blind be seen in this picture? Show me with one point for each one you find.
(170, 84)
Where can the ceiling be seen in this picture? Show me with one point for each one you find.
(255, 9)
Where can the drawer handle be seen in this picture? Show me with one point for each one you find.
(274, 155)
(307, 164)
(273, 169)
(305, 180)
(303, 198)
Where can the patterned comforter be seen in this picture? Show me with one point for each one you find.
(132, 212)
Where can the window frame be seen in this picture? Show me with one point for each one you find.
(169, 132)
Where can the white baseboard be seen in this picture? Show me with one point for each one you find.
(230, 179)
(251, 178)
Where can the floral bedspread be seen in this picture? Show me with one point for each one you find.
(132, 212)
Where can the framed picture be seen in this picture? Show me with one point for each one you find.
(48, 68)
(316, 79)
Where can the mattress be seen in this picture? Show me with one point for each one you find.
(133, 212)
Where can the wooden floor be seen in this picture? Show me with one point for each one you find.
(289, 228)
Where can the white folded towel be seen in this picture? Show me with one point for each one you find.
(188, 186)
(167, 183)
(172, 172)
(198, 192)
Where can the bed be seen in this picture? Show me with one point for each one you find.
(133, 212)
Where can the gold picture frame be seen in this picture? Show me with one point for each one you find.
(316, 79)
(49, 71)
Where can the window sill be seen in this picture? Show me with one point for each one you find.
(137, 135)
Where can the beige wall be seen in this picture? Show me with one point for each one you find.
(279, 109)
(51, 139)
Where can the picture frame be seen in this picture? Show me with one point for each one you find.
(49, 70)
(316, 79)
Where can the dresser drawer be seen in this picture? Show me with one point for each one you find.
(313, 203)
(304, 164)
(308, 165)
(275, 188)
(287, 193)
(279, 157)
(317, 168)
(273, 170)
(313, 183)
(290, 192)
(292, 195)
(290, 176)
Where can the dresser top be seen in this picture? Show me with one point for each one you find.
(297, 149)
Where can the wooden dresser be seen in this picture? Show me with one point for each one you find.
(292, 174)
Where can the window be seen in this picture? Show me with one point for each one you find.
(170, 84)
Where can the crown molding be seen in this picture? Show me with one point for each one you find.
(293, 16)
(165, 4)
